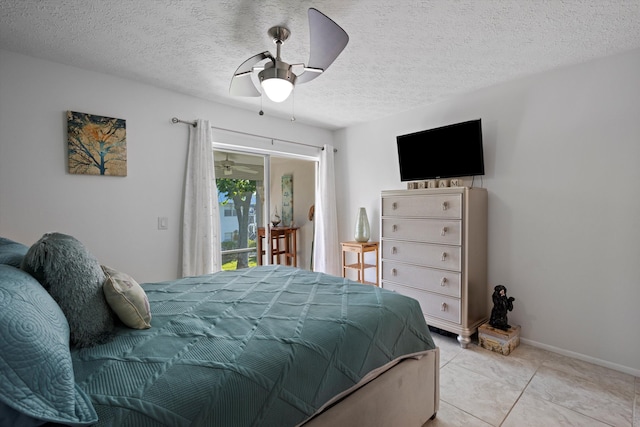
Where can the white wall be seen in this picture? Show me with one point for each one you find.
(115, 217)
(562, 155)
(561, 151)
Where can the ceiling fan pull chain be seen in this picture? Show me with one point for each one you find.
(261, 112)
(293, 106)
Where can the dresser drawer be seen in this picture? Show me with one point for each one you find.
(434, 305)
(428, 279)
(425, 254)
(425, 205)
(443, 231)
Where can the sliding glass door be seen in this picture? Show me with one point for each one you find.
(251, 190)
(240, 179)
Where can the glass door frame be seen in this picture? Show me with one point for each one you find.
(267, 154)
(266, 198)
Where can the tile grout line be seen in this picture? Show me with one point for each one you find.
(520, 395)
(558, 404)
(635, 409)
(590, 381)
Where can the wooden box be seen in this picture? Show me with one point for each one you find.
(497, 340)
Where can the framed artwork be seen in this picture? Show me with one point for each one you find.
(97, 145)
(287, 200)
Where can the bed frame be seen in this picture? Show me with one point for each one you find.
(406, 395)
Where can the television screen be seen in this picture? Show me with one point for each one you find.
(445, 152)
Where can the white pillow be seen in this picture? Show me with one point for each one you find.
(127, 299)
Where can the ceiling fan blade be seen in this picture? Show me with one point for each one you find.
(225, 163)
(242, 85)
(241, 82)
(245, 169)
(327, 41)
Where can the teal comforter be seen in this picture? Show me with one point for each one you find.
(265, 346)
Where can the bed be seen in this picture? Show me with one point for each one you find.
(265, 346)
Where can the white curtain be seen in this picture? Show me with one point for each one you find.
(326, 258)
(201, 220)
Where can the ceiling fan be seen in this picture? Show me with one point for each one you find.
(228, 166)
(276, 77)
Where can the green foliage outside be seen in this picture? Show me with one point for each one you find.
(233, 265)
(230, 261)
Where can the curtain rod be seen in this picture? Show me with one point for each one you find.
(175, 120)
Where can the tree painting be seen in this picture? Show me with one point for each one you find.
(97, 145)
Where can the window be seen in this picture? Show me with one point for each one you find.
(228, 209)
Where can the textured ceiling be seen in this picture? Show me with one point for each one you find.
(401, 55)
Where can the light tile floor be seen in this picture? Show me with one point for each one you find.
(530, 387)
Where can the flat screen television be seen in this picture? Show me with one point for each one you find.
(445, 152)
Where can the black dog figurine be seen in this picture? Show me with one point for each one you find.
(501, 304)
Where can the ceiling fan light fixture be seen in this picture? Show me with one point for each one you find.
(326, 39)
(277, 83)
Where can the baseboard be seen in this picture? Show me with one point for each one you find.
(580, 356)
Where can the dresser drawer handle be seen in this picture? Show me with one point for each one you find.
(394, 250)
(443, 282)
(444, 256)
(444, 306)
(445, 206)
(394, 206)
(394, 272)
(394, 227)
(444, 231)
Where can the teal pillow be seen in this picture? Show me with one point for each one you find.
(11, 252)
(36, 373)
(74, 278)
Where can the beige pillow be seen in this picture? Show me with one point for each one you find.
(127, 299)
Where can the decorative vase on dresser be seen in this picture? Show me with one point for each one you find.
(434, 249)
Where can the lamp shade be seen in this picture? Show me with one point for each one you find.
(277, 89)
(277, 81)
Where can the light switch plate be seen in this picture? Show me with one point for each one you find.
(163, 223)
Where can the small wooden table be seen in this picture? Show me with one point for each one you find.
(284, 243)
(360, 248)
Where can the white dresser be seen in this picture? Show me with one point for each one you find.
(434, 249)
